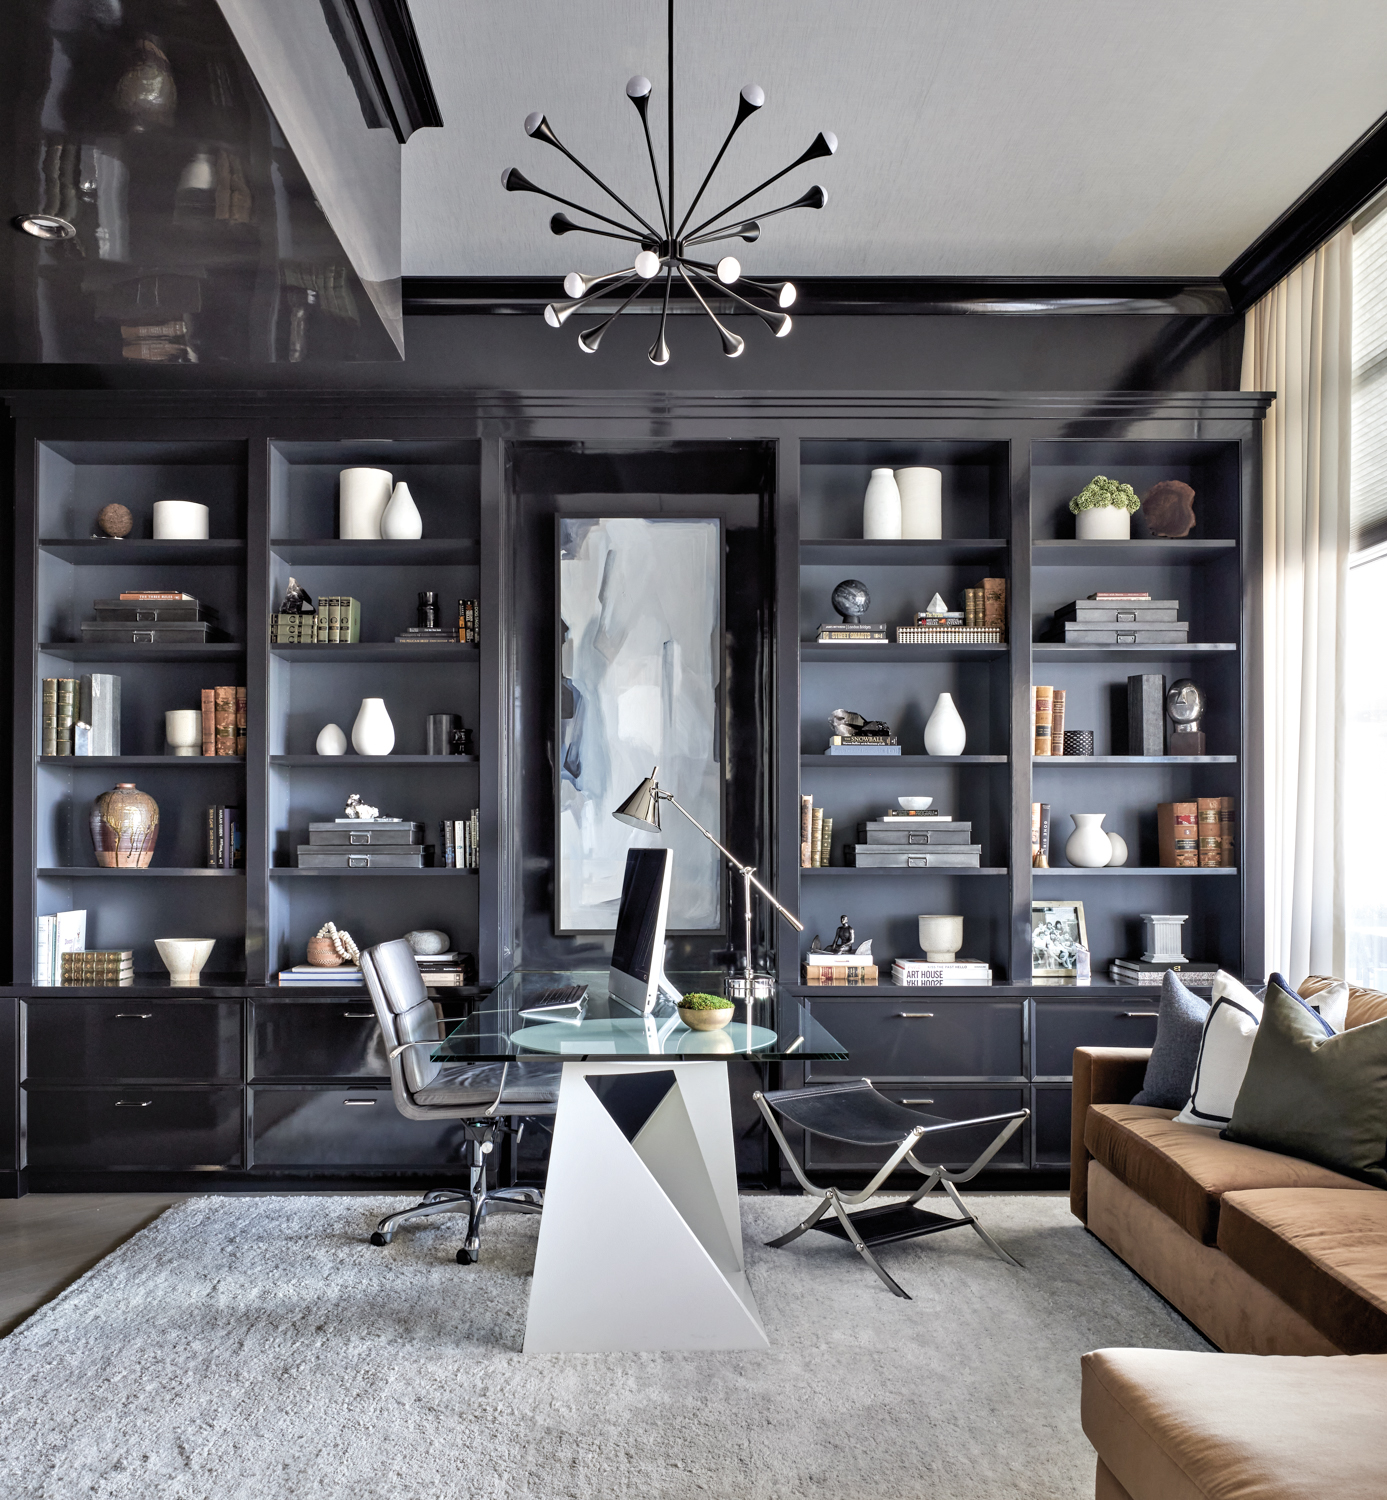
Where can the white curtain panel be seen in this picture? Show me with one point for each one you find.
(1299, 344)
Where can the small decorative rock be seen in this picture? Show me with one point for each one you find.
(427, 941)
(356, 808)
(114, 521)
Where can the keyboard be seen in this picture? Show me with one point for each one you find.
(560, 997)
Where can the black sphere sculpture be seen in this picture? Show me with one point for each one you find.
(851, 599)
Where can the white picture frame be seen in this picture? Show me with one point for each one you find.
(1057, 927)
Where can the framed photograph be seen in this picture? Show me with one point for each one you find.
(640, 680)
(1057, 929)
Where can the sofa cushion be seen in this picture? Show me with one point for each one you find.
(1323, 1252)
(1229, 1029)
(1179, 1030)
(1363, 1005)
(1184, 1169)
(1311, 1093)
(1171, 1425)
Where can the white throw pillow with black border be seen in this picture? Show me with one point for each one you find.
(1235, 1013)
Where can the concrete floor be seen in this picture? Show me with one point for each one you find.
(47, 1240)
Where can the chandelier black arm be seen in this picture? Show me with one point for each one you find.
(664, 311)
(726, 291)
(748, 230)
(798, 161)
(600, 328)
(729, 230)
(615, 197)
(569, 227)
(665, 214)
(531, 187)
(728, 337)
(708, 176)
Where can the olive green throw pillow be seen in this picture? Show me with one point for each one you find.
(1322, 1098)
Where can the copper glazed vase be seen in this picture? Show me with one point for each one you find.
(125, 826)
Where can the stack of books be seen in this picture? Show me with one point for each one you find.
(81, 716)
(59, 714)
(293, 630)
(337, 623)
(1140, 971)
(459, 842)
(306, 975)
(837, 633)
(1197, 835)
(224, 720)
(815, 835)
(926, 974)
(113, 967)
(1047, 717)
(469, 617)
(863, 744)
(63, 932)
(225, 850)
(425, 635)
(444, 971)
(914, 841)
(823, 968)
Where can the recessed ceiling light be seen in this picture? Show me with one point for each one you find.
(45, 226)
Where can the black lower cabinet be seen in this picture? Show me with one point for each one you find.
(133, 1039)
(956, 1149)
(923, 1037)
(355, 1128)
(174, 1129)
(332, 1039)
(1062, 1026)
(1050, 1122)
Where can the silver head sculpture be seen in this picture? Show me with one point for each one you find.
(1184, 707)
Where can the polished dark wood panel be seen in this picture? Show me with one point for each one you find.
(133, 1039)
(923, 1037)
(333, 1039)
(134, 1125)
(335, 1128)
(1062, 1026)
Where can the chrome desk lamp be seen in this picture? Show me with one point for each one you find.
(642, 810)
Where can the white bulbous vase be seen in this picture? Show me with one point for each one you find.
(1089, 847)
(1103, 523)
(331, 741)
(401, 521)
(945, 733)
(1119, 849)
(373, 733)
(881, 507)
(922, 514)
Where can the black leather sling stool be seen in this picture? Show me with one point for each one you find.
(855, 1112)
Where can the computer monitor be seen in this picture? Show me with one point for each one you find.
(637, 974)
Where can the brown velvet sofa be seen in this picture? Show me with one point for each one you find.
(1265, 1254)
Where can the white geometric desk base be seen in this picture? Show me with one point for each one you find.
(640, 1244)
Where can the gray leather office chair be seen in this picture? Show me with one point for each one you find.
(490, 1098)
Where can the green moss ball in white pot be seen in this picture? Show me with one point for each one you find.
(1104, 510)
(705, 1012)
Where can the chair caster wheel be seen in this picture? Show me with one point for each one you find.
(377, 1238)
(467, 1256)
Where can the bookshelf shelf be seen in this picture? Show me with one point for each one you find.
(891, 654)
(855, 551)
(1179, 870)
(380, 651)
(82, 651)
(292, 872)
(431, 551)
(175, 762)
(375, 762)
(894, 762)
(897, 872)
(1140, 552)
(154, 872)
(1052, 762)
(94, 552)
(1054, 651)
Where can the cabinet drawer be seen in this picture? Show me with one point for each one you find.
(133, 1039)
(960, 1150)
(134, 1126)
(1060, 1026)
(346, 1127)
(335, 1039)
(922, 1037)
(1051, 1121)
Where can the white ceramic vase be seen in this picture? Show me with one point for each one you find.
(945, 733)
(180, 521)
(941, 938)
(1088, 846)
(922, 512)
(184, 957)
(363, 495)
(1103, 523)
(881, 507)
(401, 521)
(331, 741)
(373, 733)
(1119, 849)
(183, 730)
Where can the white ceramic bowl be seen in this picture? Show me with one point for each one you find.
(915, 804)
(184, 957)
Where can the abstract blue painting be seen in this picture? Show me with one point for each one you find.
(640, 677)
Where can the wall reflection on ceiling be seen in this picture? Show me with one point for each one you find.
(195, 235)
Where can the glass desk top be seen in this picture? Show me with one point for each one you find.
(781, 1029)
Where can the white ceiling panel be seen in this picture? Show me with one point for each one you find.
(976, 137)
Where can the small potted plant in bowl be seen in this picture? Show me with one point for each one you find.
(1104, 509)
(705, 1012)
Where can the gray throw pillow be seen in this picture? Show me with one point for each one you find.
(1179, 1027)
(1320, 1097)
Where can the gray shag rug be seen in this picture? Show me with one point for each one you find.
(256, 1347)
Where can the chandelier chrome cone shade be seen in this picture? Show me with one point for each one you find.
(670, 246)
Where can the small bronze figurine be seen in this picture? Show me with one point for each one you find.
(844, 938)
(1184, 708)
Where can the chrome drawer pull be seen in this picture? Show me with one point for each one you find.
(134, 1015)
(133, 1103)
(1136, 1015)
(369, 1103)
(915, 1015)
(359, 1015)
(917, 1101)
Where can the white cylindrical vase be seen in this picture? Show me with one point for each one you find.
(945, 733)
(401, 521)
(881, 508)
(180, 521)
(183, 730)
(1088, 847)
(922, 510)
(363, 495)
(373, 733)
(1103, 523)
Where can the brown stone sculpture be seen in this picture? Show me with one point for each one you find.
(1169, 508)
(114, 521)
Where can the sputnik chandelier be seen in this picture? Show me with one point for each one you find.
(666, 246)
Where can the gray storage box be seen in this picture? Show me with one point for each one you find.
(313, 857)
(150, 611)
(359, 832)
(893, 834)
(1177, 634)
(164, 633)
(875, 857)
(1121, 611)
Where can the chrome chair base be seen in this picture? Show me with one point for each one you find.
(476, 1200)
